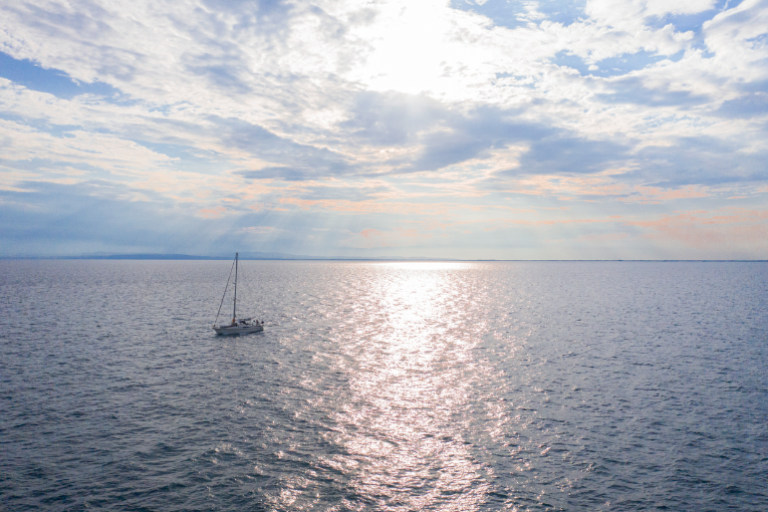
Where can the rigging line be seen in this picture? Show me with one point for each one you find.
(225, 293)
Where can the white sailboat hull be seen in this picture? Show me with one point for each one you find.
(238, 326)
(237, 329)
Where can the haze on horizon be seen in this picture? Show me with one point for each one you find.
(488, 129)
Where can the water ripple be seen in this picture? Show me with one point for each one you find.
(385, 386)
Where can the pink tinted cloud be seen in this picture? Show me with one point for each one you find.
(375, 206)
(656, 194)
(397, 232)
(500, 223)
(603, 237)
(566, 186)
(729, 228)
(212, 213)
(367, 233)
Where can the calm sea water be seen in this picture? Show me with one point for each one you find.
(384, 386)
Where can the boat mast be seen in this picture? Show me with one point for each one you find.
(234, 306)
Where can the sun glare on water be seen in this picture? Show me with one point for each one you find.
(408, 396)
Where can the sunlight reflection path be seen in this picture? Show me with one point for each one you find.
(404, 425)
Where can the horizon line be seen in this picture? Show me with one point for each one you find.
(287, 257)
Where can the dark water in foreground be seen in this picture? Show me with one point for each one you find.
(385, 386)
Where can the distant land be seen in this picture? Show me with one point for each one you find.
(243, 256)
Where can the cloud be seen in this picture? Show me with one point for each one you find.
(83, 217)
(700, 161)
(373, 238)
(742, 230)
(748, 106)
(384, 119)
(603, 237)
(656, 194)
(632, 90)
(367, 233)
(342, 117)
(260, 230)
(307, 161)
(439, 135)
(276, 172)
(475, 135)
(212, 213)
(570, 155)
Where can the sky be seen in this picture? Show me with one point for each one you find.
(494, 129)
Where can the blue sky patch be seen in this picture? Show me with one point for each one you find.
(30, 75)
(189, 158)
(614, 66)
(512, 14)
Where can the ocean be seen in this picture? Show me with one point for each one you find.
(402, 386)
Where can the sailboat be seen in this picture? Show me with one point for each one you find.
(238, 326)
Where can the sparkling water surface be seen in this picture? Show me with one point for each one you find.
(385, 386)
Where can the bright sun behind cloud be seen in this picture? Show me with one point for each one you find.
(409, 48)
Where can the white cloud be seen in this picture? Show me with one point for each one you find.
(737, 37)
